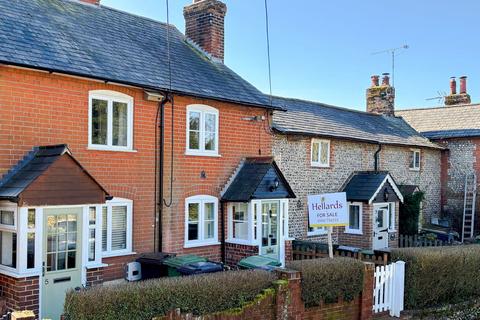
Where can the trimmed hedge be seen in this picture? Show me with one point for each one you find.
(328, 279)
(439, 276)
(201, 294)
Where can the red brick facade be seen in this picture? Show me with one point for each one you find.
(21, 293)
(236, 252)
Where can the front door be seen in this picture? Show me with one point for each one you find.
(61, 258)
(270, 228)
(380, 226)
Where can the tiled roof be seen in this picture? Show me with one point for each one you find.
(32, 166)
(103, 43)
(445, 122)
(362, 185)
(318, 119)
(254, 180)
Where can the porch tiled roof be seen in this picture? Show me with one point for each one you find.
(319, 119)
(103, 43)
(445, 122)
(362, 185)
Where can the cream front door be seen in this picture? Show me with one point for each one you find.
(61, 258)
(270, 228)
(380, 226)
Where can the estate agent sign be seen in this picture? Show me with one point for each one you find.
(328, 210)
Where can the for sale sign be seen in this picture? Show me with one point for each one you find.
(328, 210)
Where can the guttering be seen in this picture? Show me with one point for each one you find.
(375, 165)
(138, 85)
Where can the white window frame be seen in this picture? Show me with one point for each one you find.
(202, 109)
(13, 229)
(201, 200)
(318, 163)
(416, 166)
(392, 214)
(110, 97)
(250, 224)
(360, 218)
(319, 231)
(109, 204)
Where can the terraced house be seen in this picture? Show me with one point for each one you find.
(373, 156)
(92, 173)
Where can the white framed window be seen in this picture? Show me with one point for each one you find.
(92, 237)
(201, 221)
(31, 228)
(8, 237)
(317, 231)
(110, 121)
(355, 218)
(116, 227)
(320, 153)
(415, 159)
(202, 130)
(391, 216)
(241, 223)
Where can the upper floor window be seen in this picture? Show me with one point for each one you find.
(415, 159)
(201, 221)
(320, 153)
(110, 120)
(202, 130)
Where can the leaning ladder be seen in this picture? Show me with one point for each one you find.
(469, 206)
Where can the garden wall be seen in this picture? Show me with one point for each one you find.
(285, 303)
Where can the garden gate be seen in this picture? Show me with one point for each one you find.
(389, 288)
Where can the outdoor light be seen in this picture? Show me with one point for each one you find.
(275, 185)
(385, 195)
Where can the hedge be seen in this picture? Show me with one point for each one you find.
(439, 276)
(201, 294)
(328, 279)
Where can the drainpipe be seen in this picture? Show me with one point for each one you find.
(159, 198)
(223, 249)
(376, 157)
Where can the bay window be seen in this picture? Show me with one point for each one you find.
(110, 121)
(240, 220)
(116, 227)
(202, 130)
(201, 221)
(8, 237)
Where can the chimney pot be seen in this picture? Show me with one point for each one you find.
(386, 79)
(95, 2)
(453, 85)
(375, 80)
(463, 84)
(205, 25)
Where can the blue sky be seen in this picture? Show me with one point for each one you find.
(322, 50)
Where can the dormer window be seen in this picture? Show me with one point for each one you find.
(202, 130)
(110, 121)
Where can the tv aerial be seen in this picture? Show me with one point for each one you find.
(394, 52)
(440, 98)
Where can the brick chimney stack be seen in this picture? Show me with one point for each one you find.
(381, 98)
(205, 25)
(454, 99)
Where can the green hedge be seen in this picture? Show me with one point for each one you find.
(440, 276)
(328, 279)
(199, 295)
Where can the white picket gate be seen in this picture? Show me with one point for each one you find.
(389, 288)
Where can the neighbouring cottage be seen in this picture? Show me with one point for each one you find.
(92, 174)
(456, 126)
(370, 155)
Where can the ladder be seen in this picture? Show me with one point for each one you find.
(469, 206)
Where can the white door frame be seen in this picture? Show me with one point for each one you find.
(386, 222)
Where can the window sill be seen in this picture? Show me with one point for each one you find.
(315, 165)
(14, 273)
(95, 148)
(359, 233)
(117, 254)
(414, 169)
(201, 244)
(202, 154)
(96, 265)
(242, 242)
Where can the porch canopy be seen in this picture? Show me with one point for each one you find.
(372, 186)
(48, 176)
(257, 178)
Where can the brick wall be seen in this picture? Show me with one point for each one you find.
(292, 154)
(236, 252)
(94, 276)
(21, 293)
(285, 303)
